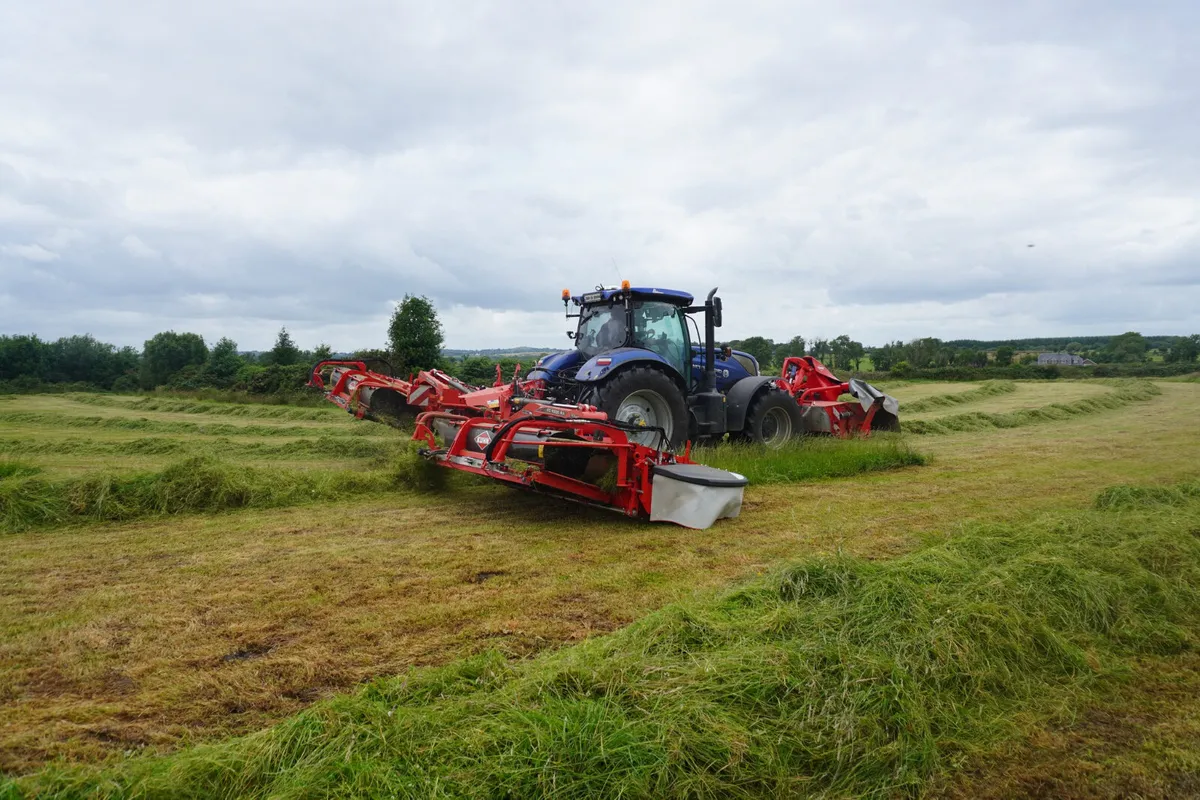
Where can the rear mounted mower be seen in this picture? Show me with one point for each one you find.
(603, 423)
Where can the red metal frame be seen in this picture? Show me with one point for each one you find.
(631, 492)
(814, 386)
(506, 410)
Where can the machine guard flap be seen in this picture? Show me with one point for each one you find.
(868, 394)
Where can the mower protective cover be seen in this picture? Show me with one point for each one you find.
(695, 495)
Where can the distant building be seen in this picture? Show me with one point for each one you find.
(1064, 360)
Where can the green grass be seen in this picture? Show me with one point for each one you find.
(177, 406)
(193, 485)
(1118, 498)
(834, 676)
(342, 446)
(17, 469)
(1123, 394)
(54, 420)
(811, 458)
(985, 390)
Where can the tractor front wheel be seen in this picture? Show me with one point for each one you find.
(773, 419)
(646, 398)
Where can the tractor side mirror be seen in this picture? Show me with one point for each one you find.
(570, 334)
(716, 312)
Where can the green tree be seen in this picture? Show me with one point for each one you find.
(926, 352)
(1185, 349)
(223, 363)
(166, 353)
(970, 358)
(883, 358)
(1129, 346)
(761, 348)
(1075, 348)
(415, 335)
(284, 353)
(1004, 356)
(323, 352)
(83, 359)
(22, 357)
(854, 354)
(790, 348)
(475, 370)
(837, 348)
(846, 352)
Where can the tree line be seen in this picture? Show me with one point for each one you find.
(414, 342)
(173, 359)
(185, 361)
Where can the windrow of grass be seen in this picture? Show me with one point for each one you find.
(207, 481)
(17, 469)
(223, 447)
(174, 406)
(1123, 498)
(835, 676)
(47, 419)
(811, 458)
(1123, 394)
(199, 484)
(985, 390)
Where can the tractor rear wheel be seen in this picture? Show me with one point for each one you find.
(646, 398)
(772, 420)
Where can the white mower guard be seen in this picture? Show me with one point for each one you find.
(695, 495)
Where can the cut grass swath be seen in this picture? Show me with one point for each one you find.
(17, 469)
(1123, 394)
(172, 406)
(835, 676)
(986, 390)
(193, 485)
(223, 447)
(1123, 498)
(50, 420)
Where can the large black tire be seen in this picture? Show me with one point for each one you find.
(773, 419)
(643, 395)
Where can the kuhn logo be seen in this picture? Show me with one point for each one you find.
(483, 439)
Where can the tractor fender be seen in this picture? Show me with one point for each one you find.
(740, 396)
(601, 367)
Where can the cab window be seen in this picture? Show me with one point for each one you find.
(601, 327)
(659, 328)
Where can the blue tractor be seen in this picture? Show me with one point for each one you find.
(639, 357)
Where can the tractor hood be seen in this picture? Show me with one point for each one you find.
(574, 364)
(601, 364)
(548, 367)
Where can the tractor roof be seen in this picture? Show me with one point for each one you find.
(673, 296)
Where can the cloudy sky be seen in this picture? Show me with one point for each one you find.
(878, 169)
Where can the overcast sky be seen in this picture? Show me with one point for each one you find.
(877, 169)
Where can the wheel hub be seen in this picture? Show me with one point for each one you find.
(645, 409)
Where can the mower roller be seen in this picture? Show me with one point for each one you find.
(606, 423)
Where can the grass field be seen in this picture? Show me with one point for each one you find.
(154, 635)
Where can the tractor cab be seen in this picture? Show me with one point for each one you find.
(642, 357)
(616, 326)
(635, 319)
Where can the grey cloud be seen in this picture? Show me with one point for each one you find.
(249, 165)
